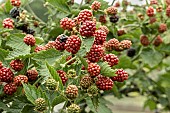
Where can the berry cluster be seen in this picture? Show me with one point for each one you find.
(114, 44)
(11, 82)
(145, 40)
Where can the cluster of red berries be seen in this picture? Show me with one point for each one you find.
(12, 82)
(114, 44)
(145, 40)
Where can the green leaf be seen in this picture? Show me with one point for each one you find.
(106, 69)
(83, 60)
(152, 58)
(28, 109)
(19, 53)
(150, 103)
(50, 56)
(3, 55)
(32, 92)
(102, 108)
(3, 106)
(167, 92)
(59, 61)
(61, 5)
(59, 99)
(124, 60)
(39, 40)
(126, 36)
(116, 91)
(55, 75)
(166, 38)
(88, 43)
(8, 6)
(16, 41)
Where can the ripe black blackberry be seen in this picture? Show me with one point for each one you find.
(60, 42)
(131, 52)
(114, 19)
(30, 31)
(14, 12)
(22, 27)
(63, 38)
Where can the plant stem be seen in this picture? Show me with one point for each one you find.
(147, 2)
(140, 51)
(81, 3)
(153, 38)
(38, 80)
(63, 65)
(112, 2)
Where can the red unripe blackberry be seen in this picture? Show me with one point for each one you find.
(73, 44)
(112, 44)
(150, 11)
(111, 10)
(100, 37)
(6, 75)
(102, 19)
(10, 89)
(1, 65)
(95, 5)
(111, 59)
(63, 76)
(71, 91)
(121, 75)
(84, 15)
(152, 20)
(88, 28)
(168, 11)
(20, 78)
(68, 58)
(93, 69)
(17, 65)
(67, 23)
(152, 2)
(104, 83)
(121, 32)
(86, 82)
(29, 40)
(60, 42)
(117, 4)
(114, 19)
(8, 23)
(50, 44)
(39, 48)
(162, 28)
(158, 41)
(104, 28)
(168, 2)
(16, 3)
(96, 53)
(32, 75)
(144, 40)
(125, 44)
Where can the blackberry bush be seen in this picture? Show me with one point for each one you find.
(76, 54)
